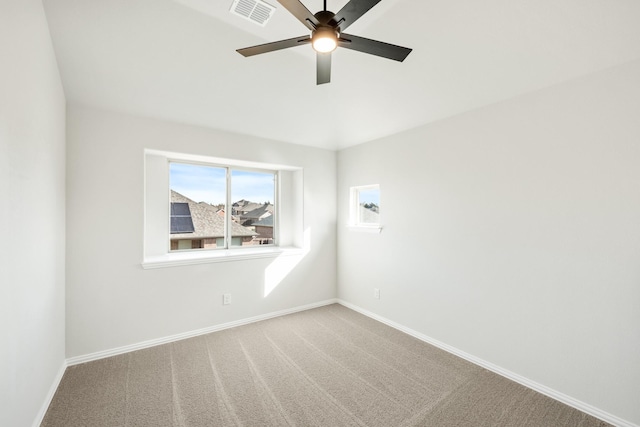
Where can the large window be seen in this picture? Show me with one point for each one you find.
(200, 209)
(220, 207)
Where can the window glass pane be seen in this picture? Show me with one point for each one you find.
(198, 195)
(253, 196)
(368, 208)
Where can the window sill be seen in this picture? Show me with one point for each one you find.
(376, 229)
(175, 259)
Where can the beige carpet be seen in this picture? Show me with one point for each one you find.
(329, 366)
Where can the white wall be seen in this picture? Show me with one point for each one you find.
(512, 233)
(32, 209)
(111, 300)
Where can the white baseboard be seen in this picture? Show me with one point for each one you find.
(561, 397)
(158, 341)
(49, 398)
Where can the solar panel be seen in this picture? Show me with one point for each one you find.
(181, 224)
(181, 209)
(181, 221)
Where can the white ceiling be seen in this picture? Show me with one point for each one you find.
(176, 60)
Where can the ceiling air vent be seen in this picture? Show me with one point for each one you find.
(255, 11)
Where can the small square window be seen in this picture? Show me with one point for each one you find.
(365, 206)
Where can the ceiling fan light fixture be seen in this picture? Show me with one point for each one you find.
(324, 40)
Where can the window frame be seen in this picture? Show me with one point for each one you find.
(354, 222)
(228, 235)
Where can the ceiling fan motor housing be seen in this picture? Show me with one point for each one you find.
(325, 17)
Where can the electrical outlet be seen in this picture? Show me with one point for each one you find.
(376, 293)
(226, 299)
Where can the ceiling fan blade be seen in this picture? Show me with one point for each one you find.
(297, 9)
(373, 47)
(323, 64)
(270, 47)
(352, 11)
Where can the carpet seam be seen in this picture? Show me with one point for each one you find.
(374, 357)
(228, 405)
(346, 368)
(331, 399)
(263, 384)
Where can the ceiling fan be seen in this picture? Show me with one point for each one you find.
(326, 35)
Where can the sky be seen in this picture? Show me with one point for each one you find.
(207, 184)
(369, 196)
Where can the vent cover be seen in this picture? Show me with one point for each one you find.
(255, 11)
